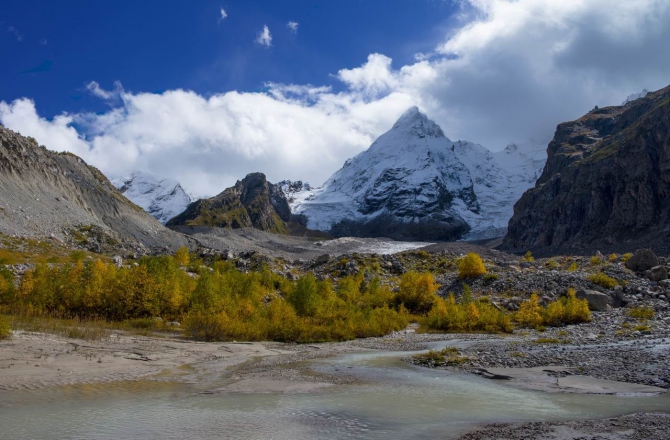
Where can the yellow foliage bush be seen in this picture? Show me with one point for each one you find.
(528, 257)
(627, 256)
(642, 313)
(612, 257)
(449, 316)
(566, 310)
(596, 261)
(573, 267)
(417, 292)
(182, 256)
(603, 280)
(471, 266)
(5, 331)
(529, 312)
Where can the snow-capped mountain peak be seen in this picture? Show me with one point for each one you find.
(162, 198)
(415, 183)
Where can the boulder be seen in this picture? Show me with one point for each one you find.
(118, 261)
(598, 302)
(658, 273)
(643, 259)
(322, 259)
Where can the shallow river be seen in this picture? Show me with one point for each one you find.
(399, 401)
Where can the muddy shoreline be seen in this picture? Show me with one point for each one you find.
(39, 361)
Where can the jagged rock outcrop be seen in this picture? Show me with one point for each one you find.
(252, 202)
(48, 194)
(162, 198)
(606, 183)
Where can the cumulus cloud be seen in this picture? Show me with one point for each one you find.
(293, 26)
(511, 72)
(264, 37)
(222, 14)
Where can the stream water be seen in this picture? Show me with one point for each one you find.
(398, 401)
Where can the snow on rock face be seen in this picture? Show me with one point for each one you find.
(162, 198)
(414, 183)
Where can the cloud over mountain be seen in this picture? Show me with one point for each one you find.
(509, 72)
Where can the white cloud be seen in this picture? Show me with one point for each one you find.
(17, 35)
(222, 14)
(511, 72)
(293, 26)
(94, 88)
(264, 37)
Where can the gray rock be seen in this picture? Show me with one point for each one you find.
(118, 261)
(642, 260)
(598, 302)
(658, 273)
(322, 259)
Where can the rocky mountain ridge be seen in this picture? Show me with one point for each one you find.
(606, 183)
(251, 202)
(44, 194)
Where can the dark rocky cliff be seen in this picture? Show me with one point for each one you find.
(252, 202)
(57, 195)
(606, 184)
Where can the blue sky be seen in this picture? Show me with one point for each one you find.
(171, 89)
(152, 46)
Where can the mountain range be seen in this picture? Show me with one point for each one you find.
(414, 183)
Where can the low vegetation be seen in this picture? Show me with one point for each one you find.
(641, 313)
(471, 266)
(566, 310)
(448, 357)
(603, 280)
(219, 302)
(5, 330)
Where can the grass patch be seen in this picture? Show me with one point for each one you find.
(448, 357)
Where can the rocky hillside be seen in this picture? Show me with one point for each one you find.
(606, 183)
(252, 202)
(414, 183)
(162, 198)
(47, 194)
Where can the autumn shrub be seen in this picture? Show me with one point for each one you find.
(596, 261)
(627, 256)
(471, 266)
(182, 256)
(6, 286)
(529, 314)
(641, 312)
(603, 280)
(573, 267)
(450, 316)
(417, 292)
(553, 264)
(612, 257)
(5, 331)
(566, 310)
(528, 257)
